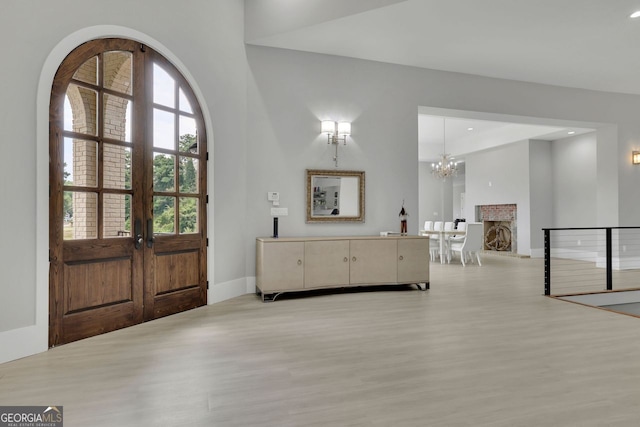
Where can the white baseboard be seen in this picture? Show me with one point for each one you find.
(251, 285)
(231, 289)
(626, 263)
(22, 342)
(537, 253)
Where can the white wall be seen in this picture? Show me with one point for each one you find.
(501, 176)
(435, 197)
(289, 93)
(458, 210)
(541, 195)
(574, 193)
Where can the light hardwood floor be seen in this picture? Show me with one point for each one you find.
(483, 347)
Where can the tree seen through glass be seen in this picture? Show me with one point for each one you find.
(164, 181)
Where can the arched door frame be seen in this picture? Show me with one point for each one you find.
(34, 339)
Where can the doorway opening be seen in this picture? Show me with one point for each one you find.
(530, 162)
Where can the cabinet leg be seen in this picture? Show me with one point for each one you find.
(270, 297)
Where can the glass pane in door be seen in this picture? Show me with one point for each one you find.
(163, 129)
(80, 219)
(81, 110)
(188, 215)
(164, 172)
(116, 120)
(116, 166)
(88, 72)
(116, 211)
(164, 215)
(164, 87)
(188, 175)
(117, 71)
(188, 135)
(80, 163)
(185, 105)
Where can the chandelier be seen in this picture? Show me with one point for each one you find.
(446, 167)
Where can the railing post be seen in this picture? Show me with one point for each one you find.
(609, 257)
(547, 262)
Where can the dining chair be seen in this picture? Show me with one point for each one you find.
(437, 226)
(448, 226)
(456, 238)
(434, 242)
(434, 248)
(462, 226)
(472, 243)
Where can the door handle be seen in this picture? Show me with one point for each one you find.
(150, 233)
(138, 234)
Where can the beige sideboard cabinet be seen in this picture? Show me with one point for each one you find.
(304, 263)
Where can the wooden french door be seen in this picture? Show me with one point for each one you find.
(127, 191)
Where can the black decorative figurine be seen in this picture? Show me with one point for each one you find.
(403, 219)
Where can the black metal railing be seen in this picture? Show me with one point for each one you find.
(590, 259)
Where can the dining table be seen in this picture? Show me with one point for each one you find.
(443, 236)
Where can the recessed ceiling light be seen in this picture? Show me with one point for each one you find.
(635, 14)
(469, 128)
(571, 132)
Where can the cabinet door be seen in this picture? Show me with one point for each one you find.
(373, 261)
(413, 260)
(281, 266)
(326, 263)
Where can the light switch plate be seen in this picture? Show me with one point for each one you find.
(273, 196)
(279, 211)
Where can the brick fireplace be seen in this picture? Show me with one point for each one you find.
(500, 227)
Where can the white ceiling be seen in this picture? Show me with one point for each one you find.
(588, 44)
(465, 136)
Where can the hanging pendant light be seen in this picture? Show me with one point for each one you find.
(446, 167)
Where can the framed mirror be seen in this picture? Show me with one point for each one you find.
(335, 196)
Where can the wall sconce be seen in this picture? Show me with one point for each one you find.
(336, 132)
(635, 157)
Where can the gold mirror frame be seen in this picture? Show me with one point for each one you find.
(359, 217)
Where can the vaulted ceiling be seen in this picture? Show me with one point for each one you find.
(587, 44)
